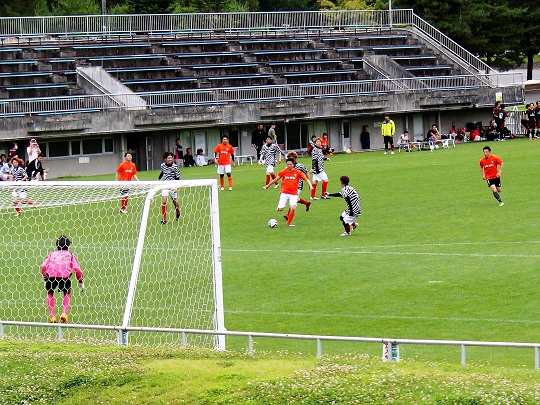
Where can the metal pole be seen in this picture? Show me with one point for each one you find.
(389, 13)
(463, 355)
(103, 7)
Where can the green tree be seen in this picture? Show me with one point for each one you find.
(288, 5)
(149, 6)
(10, 8)
(76, 7)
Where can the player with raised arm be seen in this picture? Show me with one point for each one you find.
(317, 168)
(303, 169)
(353, 209)
(224, 154)
(169, 172)
(491, 169)
(270, 154)
(19, 174)
(56, 271)
(289, 188)
(126, 172)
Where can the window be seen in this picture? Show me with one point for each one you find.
(92, 146)
(77, 147)
(109, 145)
(58, 149)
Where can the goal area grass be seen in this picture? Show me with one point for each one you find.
(434, 256)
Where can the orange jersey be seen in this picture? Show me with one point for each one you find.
(224, 153)
(290, 179)
(126, 171)
(324, 143)
(490, 166)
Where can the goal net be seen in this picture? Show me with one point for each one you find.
(138, 272)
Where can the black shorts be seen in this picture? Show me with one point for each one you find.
(52, 283)
(494, 182)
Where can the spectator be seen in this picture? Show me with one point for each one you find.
(35, 170)
(258, 137)
(5, 169)
(200, 160)
(325, 145)
(311, 144)
(13, 150)
(433, 135)
(188, 158)
(500, 120)
(178, 153)
(404, 142)
(33, 150)
(364, 137)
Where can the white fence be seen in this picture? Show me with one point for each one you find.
(319, 339)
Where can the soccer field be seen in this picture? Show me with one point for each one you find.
(434, 257)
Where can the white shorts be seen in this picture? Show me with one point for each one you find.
(3, 177)
(320, 177)
(222, 169)
(18, 193)
(269, 169)
(348, 219)
(166, 192)
(292, 199)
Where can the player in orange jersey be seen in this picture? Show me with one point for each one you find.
(289, 188)
(491, 169)
(225, 158)
(126, 172)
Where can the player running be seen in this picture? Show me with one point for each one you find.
(126, 172)
(317, 168)
(270, 154)
(491, 169)
(353, 209)
(169, 172)
(289, 188)
(303, 169)
(224, 154)
(56, 271)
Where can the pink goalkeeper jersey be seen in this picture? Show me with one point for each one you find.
(61, 263)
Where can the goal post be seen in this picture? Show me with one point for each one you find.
(138, 271)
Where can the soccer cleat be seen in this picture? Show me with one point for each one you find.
(325, 197)
(386, 153)
(307, 206)
(230, 188)
(177, 216)
(291, 225)
(264, 187)
(276, 186)
(345, 234)
(222, 188)
(286, 217)
(501, 203)
(122, 211)
(18, 213)
(313, 198)
(63, 318)
(52, 319)
(392, 152)
(354, 226)
(163, 222)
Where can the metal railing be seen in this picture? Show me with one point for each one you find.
(249, 94)
(319, 339)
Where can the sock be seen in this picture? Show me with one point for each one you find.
(497, 196)
(267, 179)
(65, 303)
(230, 181)
(124, 203)
(302, 201)
(290, 214)
(314, 190)
(177, 206)
(164, 211)
(50, 304)
(273, 176)
(392, 146)
(347, 228)
(222, 182)
(16, 204)
(324, 186)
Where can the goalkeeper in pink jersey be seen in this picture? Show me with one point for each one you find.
(56, 270)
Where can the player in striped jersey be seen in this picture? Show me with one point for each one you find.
(271, 155)
(317, 168)
(353, 209)
(303, 169)
(19, 174)
(169, 172)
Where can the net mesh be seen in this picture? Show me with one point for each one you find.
(175, 284)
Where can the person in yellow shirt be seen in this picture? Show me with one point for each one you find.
(388, 129)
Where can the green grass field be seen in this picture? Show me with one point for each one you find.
(434, 256)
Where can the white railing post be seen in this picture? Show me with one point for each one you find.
(319, 348)
(250, 345)
(536, 358)
(463, 355)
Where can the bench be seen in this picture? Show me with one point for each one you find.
(397, 47)
(348, 50)
(320, 72)
(108, 46)
(100, 35)
(194, 43)
(18, 62)
(224, 65)
(372, 37)
(189, 104)
(241, 77)
(207, 54)
(273, 40)
(127, 57)
(29, 38)
(240, 159)
(288, 51)
(149, 81)
(301, 62)
(141, 69)
(428, 67)
(25, 74)
(90, 110)
(10, 49)
(445, 144)
(36, 86)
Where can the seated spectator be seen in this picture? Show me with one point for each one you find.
(188, 158)
(5, 169)
(311, 145)
(491, 131)
(325, 145)
(35, 170)
(200, 160)
(433, 135)
(404, 141)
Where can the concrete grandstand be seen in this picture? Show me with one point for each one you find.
(90, 88)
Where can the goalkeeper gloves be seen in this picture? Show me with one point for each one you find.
(81, 285)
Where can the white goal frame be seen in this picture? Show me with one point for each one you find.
(153, 189)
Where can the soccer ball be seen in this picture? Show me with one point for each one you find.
(273, 223)
(348, 151)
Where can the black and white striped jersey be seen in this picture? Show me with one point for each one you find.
(270, 153)
(303, 169)
(169, 172)
(352, 199)
(18, 173)
(317, 160)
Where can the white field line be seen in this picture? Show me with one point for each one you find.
(356, 316)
